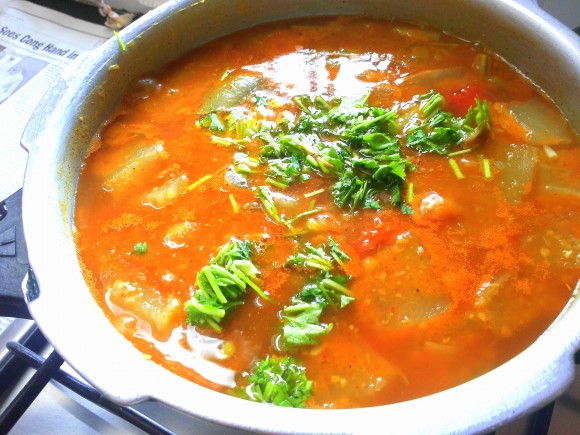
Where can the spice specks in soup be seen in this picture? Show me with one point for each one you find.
(307, 216)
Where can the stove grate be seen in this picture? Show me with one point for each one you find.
(49, 369)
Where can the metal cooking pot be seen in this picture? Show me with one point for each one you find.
(84, 96)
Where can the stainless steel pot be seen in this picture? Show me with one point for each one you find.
(69, 115)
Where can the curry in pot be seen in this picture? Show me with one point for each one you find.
(306, 215)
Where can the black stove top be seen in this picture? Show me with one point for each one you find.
(13, 258)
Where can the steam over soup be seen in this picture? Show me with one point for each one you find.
(333, 212)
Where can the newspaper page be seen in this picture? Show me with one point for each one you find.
(36, 43)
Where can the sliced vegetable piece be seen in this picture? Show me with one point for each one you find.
(417, 34)
(401, 295)
(135, 163)
(164, 195)
(562, 182)
(176, 235)
(435, 208)
(489, 289)
(235, 90)
(517, 171)
(431, 78)
(556, 243)
(145, 304)
(545, 126)
(365, 374)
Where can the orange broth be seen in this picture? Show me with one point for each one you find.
(470, 279)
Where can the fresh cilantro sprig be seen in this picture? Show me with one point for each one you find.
(440, 132)
(264, 194)
(301, 319)
(279, 381)
(234, 126)
(284, 171)
(378, 167)
(345, 139)
(140, 248)
(221, 284)
(325, 257)
(348, 141)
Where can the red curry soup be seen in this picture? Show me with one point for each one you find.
(303, 215)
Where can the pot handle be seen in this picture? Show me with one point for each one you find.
(41, 117)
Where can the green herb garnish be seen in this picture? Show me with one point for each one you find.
(221, 284)
(213, 122)
(344, 139)
(279, 381)
(301, 318)
(140, 248)
(121, 43)
(440, 132)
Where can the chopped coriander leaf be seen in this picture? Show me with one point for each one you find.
(324, 257)
(347, 140)
(226, 141)
(244, 164)
(481, 63)
(410, 193)
(478, 120)
(213, 122)
(351, 190)
(304, 214)
(375, 123)
(259, 100)
(343, 139)
(430, 102)
(349, 111)
(309, 194)
(281, 382)
(140, 248)
(486, 168)
(440, 140)
(265, 195)
(221, 284)
(236, 125)
(338, 254)
(301, 324)
(242, 124)
(283, 171)
(441, 132)
(199, 182)
(234, 203)
(205, 312)
(406, 209)
(311, 257)
(460, 152)
(120, 41)
(326, 289)
(456, 170)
